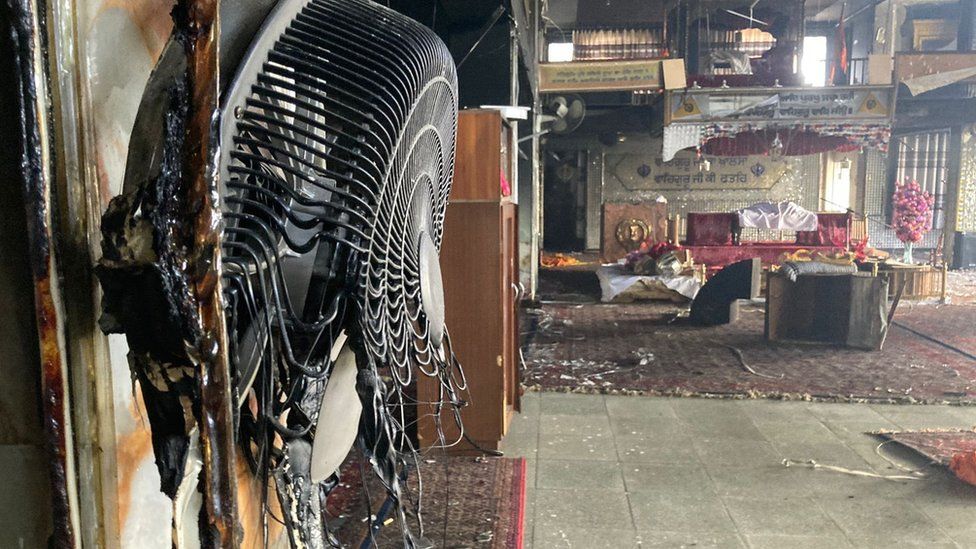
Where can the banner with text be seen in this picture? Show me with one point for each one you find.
(643, 172)
(600, 75)
(786, 105)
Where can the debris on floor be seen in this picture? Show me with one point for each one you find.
(635, 349)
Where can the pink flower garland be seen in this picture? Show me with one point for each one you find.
(912, 211)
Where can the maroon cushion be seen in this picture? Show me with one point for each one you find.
(832, 230)
(710, 229)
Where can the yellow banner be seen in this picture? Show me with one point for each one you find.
(600, 75)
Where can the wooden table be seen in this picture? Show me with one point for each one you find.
(921, 281)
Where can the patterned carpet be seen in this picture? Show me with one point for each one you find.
(938, 445)
(467, 502)
(633, 349)
(955, 325)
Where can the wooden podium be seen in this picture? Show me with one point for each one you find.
(479, 263)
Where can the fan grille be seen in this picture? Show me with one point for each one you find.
(338, 156)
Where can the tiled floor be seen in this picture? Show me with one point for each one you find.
(616, 472)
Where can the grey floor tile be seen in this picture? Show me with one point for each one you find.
(531, 473)
(836, 454)
(733, 425)
(796, 433)
(694, 469)
(655, 449)
(796, 515)
(956, 518)
(565, 424)
(580, 538)
(780, 541)
(888, 543)
(741, 453)
(529, 509)
(674, 513)
(691, 408)
(580, 475)
(687, 480)
(884, 409)
(666, 428)
(524, 423)
(843, 411)
(777, 411)
(589, 447)
(639, 407)
(758, 481)
(859, 431)
(966, 414)
(582, 509)
(683, 540)
(517, 444)
(882, 519)
(572, 404)
(530, 402)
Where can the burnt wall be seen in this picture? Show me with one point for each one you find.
(24, 500)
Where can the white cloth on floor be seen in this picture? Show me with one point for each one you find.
(781, 216)
(615, 280)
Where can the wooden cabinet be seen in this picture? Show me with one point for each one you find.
(837, 309)
(479, 262)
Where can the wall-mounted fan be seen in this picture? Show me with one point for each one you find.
(564, 113)
(337, 130)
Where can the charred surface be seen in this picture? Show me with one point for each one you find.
(338, 156)
(197, 25)
(160, 274)
(28, 34)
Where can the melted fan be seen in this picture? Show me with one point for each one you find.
(337, 154)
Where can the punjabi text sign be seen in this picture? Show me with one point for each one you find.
(600, 75)
(793, 104)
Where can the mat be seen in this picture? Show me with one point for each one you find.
(942, 323)
(642, 349)
(938, 445)
(467, 502)
(951, 448)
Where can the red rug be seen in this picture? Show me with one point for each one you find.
(467, 502)
(938, 445)
(954, 325)
(955, 449)
(634, 349)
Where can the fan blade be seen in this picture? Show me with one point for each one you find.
(338, 422)
(577, 109)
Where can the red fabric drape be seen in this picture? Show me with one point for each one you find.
(710, 229)
(833, 229)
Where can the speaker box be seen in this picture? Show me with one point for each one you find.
(964, 251)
